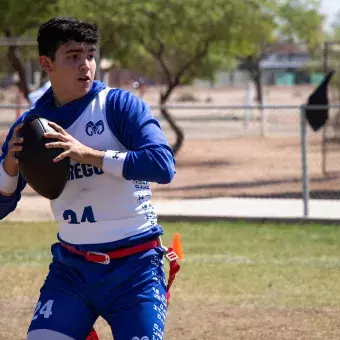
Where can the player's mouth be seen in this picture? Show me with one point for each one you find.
(85, 79)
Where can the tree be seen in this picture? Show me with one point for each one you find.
(332, 57)
(178, 40)
(296, 21)
(18, 19)
(262, 32)
(174, 39)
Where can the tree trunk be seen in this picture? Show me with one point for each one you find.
(252, 64)
(14, 58)
(175, 128)
(258, 86)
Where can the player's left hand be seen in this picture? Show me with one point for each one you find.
(73, 148)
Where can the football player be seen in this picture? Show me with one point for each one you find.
(108, 260)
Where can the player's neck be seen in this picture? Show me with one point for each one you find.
(56, 101)
(60, 100)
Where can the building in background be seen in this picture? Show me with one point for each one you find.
(283, 64)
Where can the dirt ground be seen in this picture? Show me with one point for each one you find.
(250, 166)
(221, 322)
(240, 167)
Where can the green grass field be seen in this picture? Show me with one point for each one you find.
(238, 280)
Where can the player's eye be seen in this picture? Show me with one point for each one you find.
(73, 57)
(90, 57)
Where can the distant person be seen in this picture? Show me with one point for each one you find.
(140, 85)
(35, 95)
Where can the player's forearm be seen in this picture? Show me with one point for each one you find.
(8, 178)
(154, 164)
(110, 161)
(11, 167)
(94, 157)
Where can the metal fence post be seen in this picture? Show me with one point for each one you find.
(263, 121)
(305, 178)
(324, 151)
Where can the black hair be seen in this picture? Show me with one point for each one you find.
(60, 30)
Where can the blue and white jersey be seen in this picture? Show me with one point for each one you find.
(98, 207)
(105, 207)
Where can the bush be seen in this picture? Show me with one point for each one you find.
(187, 97)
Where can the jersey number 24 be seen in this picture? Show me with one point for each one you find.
(86, 216)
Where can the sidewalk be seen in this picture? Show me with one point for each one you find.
(36, 208)
(249, 209)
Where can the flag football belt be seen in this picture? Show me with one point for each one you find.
(105, 258)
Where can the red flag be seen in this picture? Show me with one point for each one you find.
(92, 335)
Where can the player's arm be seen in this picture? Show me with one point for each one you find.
(11, 183)
(149, 156)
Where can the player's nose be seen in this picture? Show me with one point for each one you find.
(85, 65)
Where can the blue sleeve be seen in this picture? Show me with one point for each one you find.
(9, 203)
(149, 156)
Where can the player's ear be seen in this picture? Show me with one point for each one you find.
(45, 64)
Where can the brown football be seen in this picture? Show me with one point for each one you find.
(36, 161)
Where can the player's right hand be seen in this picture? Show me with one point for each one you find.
(11, 163)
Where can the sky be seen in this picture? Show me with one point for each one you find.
(330, 8)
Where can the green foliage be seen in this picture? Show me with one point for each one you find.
(24, 17)
(333, 57)
(171, 37)
(174, 38)
(301, 21)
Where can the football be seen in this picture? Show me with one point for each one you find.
(36, 161)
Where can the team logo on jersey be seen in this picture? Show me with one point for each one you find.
(116, 155)
(92, 128)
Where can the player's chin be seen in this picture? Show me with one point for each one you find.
(84, 86)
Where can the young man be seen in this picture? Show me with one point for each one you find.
(108, 261)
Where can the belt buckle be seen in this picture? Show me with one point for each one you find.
(171, 256)
(106, 257)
